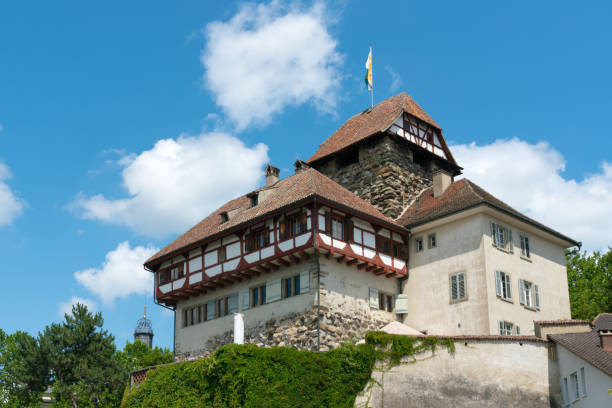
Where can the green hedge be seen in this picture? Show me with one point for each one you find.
(249, 376)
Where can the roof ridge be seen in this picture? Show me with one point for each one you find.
(469, 182)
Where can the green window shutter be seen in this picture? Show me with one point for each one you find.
(521, 291)
(498, 284)
(453, 287)
(374, 298)
(304, 281)
(517, 329)
(501, 326)
(232, 304)
(461, 285)
(510, 241)
(273, 291)
(493, 234)
(536, 296)
(210, 310)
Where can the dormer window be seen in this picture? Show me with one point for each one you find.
(224, 217)
(254, 200)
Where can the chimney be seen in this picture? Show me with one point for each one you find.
(441, 180)
(605, 337)
(271, 175)
(300, 165)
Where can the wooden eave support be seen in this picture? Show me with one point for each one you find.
(390, 274)
(362, 265)
(303, 255)
(294, 258)
(379, 271)
(371, 268)
(272, 266)
(283, 262)
(262, 268)
(341, 258)
(352, 261)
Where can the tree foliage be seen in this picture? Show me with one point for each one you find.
(590, 283)
(138, 355)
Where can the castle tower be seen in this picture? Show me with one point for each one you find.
(387, 155)
(144, 330)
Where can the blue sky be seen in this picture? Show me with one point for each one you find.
(122, 124)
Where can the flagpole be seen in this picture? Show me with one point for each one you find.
(372, 69)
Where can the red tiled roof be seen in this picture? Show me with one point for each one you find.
(461, 195)
(372, 121)
(587, 346)
(305, 184)
(487, 337)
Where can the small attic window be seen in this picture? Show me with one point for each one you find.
(224, 217)
(254, 200)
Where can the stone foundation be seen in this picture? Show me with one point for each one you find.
(299, 330)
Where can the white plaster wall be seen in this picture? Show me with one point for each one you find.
(597, 383)
(546, 268)
(193, 338)
(459, 248)
(483, 373)
(346, 288)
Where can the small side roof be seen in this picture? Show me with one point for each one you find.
(375, 120)
(303, 185)
(587, 347)
(462, 195)
(603, 321)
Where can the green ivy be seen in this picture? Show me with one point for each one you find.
(250, 376)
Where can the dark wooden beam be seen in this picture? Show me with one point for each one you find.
(341, 258)
(294, 258)
(371, 268)
(303, 255)
(362, 265)
(283, 262)
(352, 261)
(390, 274)
(272, 266)
(379, 271)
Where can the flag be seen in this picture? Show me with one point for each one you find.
(368, 75)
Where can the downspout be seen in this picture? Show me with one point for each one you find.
(315, 220)
(169, 308)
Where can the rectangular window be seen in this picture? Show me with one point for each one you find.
(383, 245)
(418, 244)
(291, 286)
(501, 237)
(525, 246)
(337, 228)
(431, 241)
(566, 396)
(257, 239)
(297, 224)
(164, 276)
(457, 287)
(505, 328)
(389, 304)
(583, 381)
(210, 310)
(529, 294)
(177, 272)
(258, 296)
(385, 301)
(502, 285)
(574, 387)
(222, 254)
(185, 317)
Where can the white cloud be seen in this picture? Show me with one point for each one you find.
(66, 307)
(120, 275)
(177, 183)
(529, 178)
(396, 79)
(270, 56)
(11, 206)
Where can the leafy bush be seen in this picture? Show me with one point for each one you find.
(249, 376)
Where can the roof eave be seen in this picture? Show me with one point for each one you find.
(503, 210)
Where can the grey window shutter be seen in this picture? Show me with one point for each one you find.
(245, 299)
(374, 298)
(273, 290)
(493, 234)
(498, 283)
(453, 287)
(508, 287)
(521, 291)
(501, 327)
(232, 306)
(510, 241)
(210, 310)
(517, 328)
(536, 293)
(304, 281)
(461, 284)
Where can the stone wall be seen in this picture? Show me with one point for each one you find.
(385, 175)
(480, 373)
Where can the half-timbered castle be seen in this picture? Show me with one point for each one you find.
(371, 229)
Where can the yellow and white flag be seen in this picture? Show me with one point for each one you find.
(368, 75)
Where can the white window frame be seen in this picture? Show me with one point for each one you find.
(529, 294)
(525, 246)
(418, 244)
(503, 285)
(432, 241)
(574, 386)
(505, 328)
(455, 280)
(501, 237)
